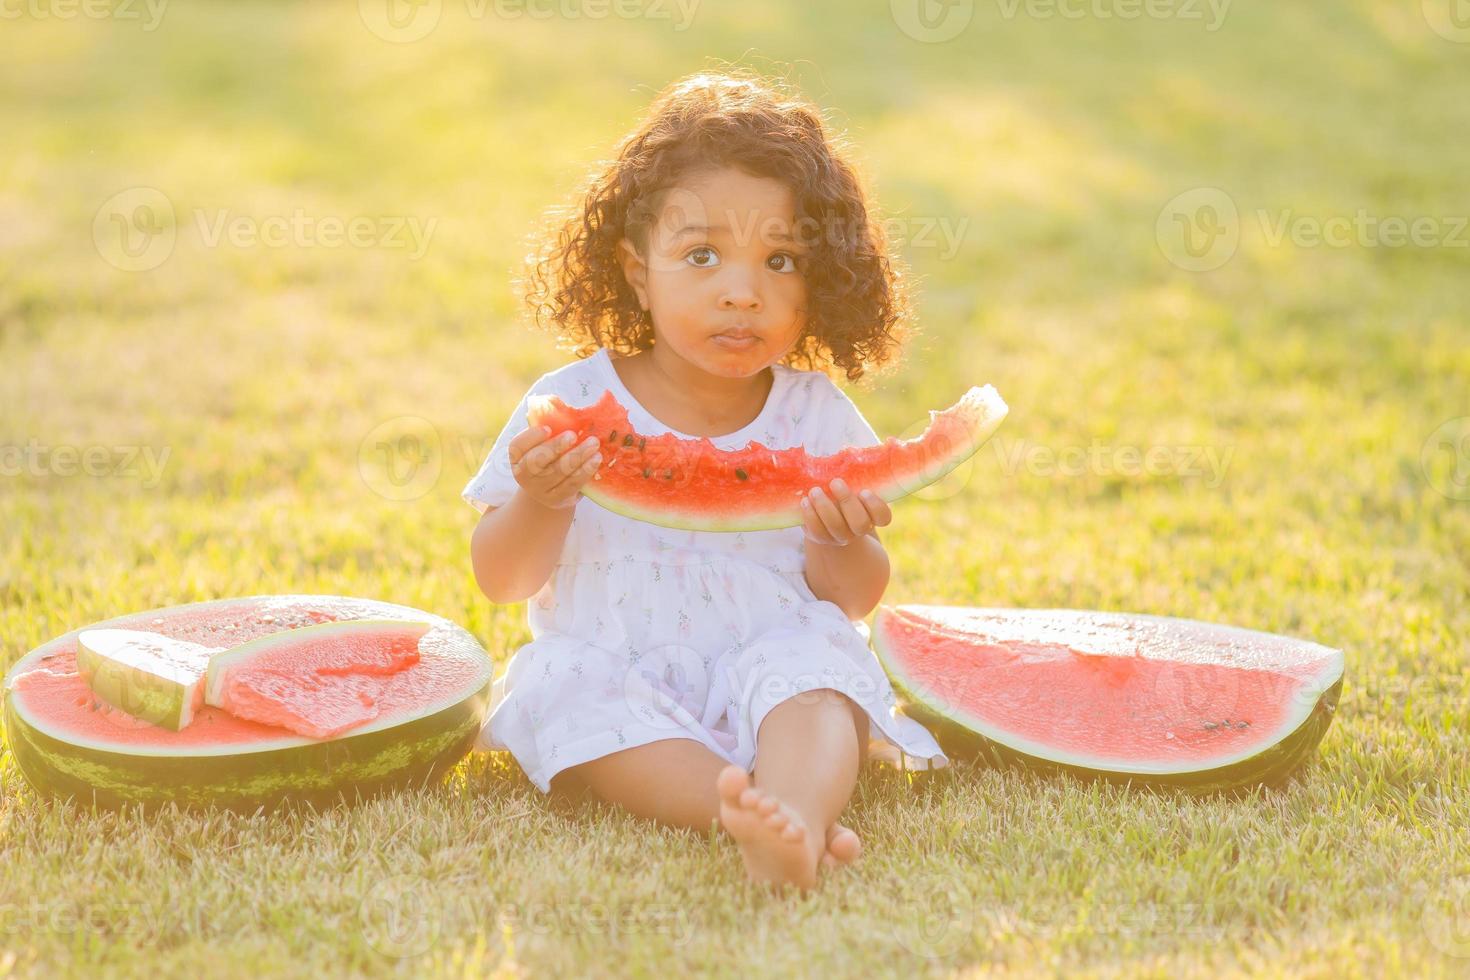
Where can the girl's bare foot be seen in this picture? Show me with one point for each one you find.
(774, 840)
(843, 846)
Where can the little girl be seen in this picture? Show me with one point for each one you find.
(696, 677)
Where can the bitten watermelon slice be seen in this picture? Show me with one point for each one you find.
(69, 743)
(689, 483)
(1144, 699)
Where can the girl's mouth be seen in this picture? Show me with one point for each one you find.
(733, 342)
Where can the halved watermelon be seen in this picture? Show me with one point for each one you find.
(1142, 699)
(69, 743)
(689, 483)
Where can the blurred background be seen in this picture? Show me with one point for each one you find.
(257, 322)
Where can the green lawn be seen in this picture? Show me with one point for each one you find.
(259, 380)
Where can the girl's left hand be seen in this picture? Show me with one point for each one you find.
(839, 516)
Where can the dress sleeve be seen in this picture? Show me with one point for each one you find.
(495, 484)
(843, 424)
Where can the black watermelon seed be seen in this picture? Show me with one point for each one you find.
(613, 437)
(645, 473)
(669, 475)
(641, 444)
(628, 439)
(742, 474)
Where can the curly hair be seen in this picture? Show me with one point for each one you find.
(858, 311)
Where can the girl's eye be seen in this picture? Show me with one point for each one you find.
(790, 259)
(694, 252)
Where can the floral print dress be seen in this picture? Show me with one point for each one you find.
(645, 633)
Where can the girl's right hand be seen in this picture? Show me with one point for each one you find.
(552, 471)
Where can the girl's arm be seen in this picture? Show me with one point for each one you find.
(853, 576)
(515, 546)
(845, 562)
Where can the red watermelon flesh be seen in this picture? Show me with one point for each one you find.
(1172, 700)
(690, 483)
(319, 680)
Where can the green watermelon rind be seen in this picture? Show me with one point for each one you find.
(378, 757)
(1268, 763)
(982, 403)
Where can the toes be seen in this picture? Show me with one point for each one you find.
(843, 845)
(767, 806)
(792, 833)
(731, 783)
(750, 798)
(777, 820)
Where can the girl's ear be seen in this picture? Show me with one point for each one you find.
(635, 270)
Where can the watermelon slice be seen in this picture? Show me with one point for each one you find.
(689, 483)
(1143, 699)
(156, 678)
(69, 743)
(319, 680)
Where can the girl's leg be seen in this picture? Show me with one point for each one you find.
(671, 781)
(807, 755)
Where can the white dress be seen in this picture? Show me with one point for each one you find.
(645, 633)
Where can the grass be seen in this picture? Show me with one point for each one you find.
(1318, 377)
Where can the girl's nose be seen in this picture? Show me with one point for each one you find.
(738, 295)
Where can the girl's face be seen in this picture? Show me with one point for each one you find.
(721, 278)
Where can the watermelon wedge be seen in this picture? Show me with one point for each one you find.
(1150, 700)
(70, 743)
(319, 680)
(689, 483)
(152, 677)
